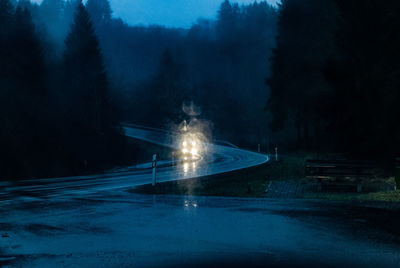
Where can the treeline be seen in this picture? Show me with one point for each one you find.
(57, 117)
(335, 83)
(220, 66)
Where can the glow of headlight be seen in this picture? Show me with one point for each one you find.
(184, 144)
(193, 143)
(184, 150)
(185, 167)
(194, 151)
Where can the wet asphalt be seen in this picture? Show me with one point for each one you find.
(119, 229)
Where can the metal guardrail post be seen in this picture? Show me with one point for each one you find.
(154, 181)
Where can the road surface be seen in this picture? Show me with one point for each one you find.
(119, 229)
(220, 159)
(93, 221)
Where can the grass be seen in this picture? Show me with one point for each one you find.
(251, 182)
(393, 196)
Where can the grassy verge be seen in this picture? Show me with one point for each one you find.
(251, 182)
(393, 196)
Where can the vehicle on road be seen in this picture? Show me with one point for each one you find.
(190, 144)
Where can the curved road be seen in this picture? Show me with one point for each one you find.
(85, 227)
(220, 159)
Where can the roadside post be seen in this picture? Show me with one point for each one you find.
(259, 148)
(154, 165)
(276, 153)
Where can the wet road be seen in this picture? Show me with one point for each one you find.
(219, 159)
(93, 221)
(118, 229)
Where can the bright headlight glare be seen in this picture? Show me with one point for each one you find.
(184, 144)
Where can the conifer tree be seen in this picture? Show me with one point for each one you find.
(85, 73)
(89, 107)
(297, 84)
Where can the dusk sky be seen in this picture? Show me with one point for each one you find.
(171, 13)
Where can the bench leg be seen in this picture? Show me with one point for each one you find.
(359, 188)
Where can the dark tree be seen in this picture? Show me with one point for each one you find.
(87, 89)
(27, 54)
(23, 98)
(363, 109)
(6, 18)
(228, 20)
(166, 92)
(297, 84)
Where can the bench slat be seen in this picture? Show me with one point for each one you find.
(342, 171)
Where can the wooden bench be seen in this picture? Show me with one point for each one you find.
(339, 172)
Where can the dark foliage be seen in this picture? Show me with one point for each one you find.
(23, 94)
(333, 78)
(336, 73)
(220, 66)
(57, 117)
(88, 106)
(304, 43)
(363, 109)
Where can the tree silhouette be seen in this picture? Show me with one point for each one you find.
(85, 72)
(304, 43)
(99, 10)
(363, 109)
(87, 89)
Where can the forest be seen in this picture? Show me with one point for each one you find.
(307, 75)
(335, 84)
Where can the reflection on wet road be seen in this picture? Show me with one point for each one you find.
(112, 229)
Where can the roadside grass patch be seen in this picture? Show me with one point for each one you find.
(250, 182)
(393, 196)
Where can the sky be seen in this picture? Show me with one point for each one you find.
(170, 13)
